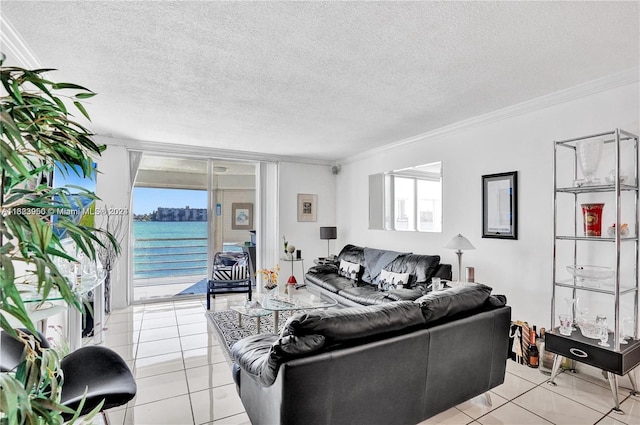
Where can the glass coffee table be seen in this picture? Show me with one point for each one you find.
(250, 309)
(296, 299)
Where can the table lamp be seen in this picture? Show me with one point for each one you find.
(328, 233)
(459, 243)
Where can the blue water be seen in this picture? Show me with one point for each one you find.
(182, 252)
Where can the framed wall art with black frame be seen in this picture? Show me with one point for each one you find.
(500, 205)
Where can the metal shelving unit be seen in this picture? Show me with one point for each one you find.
(618, 359)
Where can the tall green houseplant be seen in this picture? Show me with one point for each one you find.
(38, 133)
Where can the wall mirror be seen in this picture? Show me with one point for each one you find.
(408, 199)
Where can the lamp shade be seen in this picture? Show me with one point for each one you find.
(328, 233)
(460, 243)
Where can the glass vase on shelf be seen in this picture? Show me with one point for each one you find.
(588, 153)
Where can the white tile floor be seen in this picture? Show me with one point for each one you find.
(184, 378)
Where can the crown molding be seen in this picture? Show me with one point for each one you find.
(14, 46)
(627, 77)
(203, 151)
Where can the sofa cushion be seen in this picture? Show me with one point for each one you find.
(448, 302)
(405, 294)
(495, 301)
(260, 355)
(352, 254)
(421, 267)
(390, 280)
(349, 270)
(330, 281)
(254, 355)
(339, 325)
(365, 294)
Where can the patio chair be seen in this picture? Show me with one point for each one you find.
(232, 273)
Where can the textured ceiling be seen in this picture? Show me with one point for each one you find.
(320, 80)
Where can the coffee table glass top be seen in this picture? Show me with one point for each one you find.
(251, 309)
(296, 299)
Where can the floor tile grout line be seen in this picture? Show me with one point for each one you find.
(468, 416)
(166, 398)
(511, 401)
(611, 410)
(576, 375)
(569, 398)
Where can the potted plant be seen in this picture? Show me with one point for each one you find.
(38, 134)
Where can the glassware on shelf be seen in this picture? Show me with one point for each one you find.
(592, 218)
(571, 303)
(591, 276)
(601, 322)
(588, 327)
(611, 178)
(565, 324)
(624, 230)
(588, 153)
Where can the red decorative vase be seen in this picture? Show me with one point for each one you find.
(292, 280)
(592, 216)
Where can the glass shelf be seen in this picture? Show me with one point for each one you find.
(595, 188)
(595, 238)
(604, 288)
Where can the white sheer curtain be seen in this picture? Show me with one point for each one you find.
(268, 249)
(135, 157)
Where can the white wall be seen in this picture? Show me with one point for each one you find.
(295, 178)
(521, 268)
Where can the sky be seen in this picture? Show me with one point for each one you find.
(61, 179)
(147, 200)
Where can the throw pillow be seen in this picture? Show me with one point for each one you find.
(349, 270)
(223, 273)
(236, 272)
(239, 272)
(390, 280)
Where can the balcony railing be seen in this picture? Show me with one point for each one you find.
(164, 257)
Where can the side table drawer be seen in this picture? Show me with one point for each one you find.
(584, 350)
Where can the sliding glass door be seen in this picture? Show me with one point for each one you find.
(185, 210)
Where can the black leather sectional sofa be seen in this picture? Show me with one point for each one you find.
(363, 287)
(391, 363)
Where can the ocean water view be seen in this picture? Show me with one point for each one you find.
(169, 248)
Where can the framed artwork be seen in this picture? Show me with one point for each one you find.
(307, 207)
(500, 205)
(242, 216)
